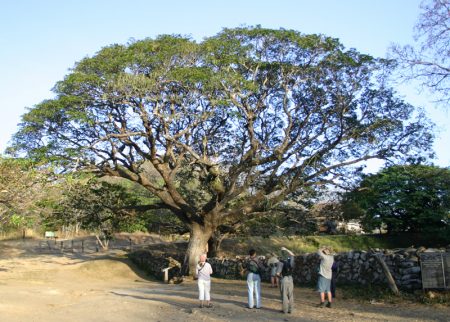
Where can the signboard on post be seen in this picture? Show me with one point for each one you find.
(435, 267)
(446, 259)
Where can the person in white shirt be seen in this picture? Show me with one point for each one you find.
(203, 272)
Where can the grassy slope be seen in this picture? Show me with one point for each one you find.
(308, 244)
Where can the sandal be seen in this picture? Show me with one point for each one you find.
(209, 305)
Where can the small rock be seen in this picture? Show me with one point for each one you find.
(431, 295)
(420, 249)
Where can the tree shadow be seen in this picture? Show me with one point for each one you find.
(224, 292)
(189, 301)
(34, 249)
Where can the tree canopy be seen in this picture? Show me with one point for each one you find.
(227, 127)
(403, 198)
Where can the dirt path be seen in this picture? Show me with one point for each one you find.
(93, 287)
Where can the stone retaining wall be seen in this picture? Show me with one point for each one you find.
(359, 267)
(354, 267)
(153, 263)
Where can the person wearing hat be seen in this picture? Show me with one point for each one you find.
(273, 263)
(325, 274)
(284, 272)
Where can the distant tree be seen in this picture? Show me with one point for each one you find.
(71, 204)
(22, 185)
(428, 61)
(403, 198)
(99, 207)
(230, 126)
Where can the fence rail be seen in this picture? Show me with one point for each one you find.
(82, 245)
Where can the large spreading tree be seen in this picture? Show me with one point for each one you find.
(231, 125)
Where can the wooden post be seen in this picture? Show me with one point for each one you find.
(166, 274)
(82, 245)
(71, 244)
(388, 274)
(62, 245)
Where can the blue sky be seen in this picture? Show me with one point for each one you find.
(41, 40)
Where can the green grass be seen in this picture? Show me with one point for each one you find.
(300, 244)
(309, 244)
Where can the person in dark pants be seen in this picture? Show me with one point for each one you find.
(334, 273)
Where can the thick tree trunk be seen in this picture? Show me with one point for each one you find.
(214, 243)
(198, 243)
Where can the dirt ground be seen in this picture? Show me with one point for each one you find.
(39, 286)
